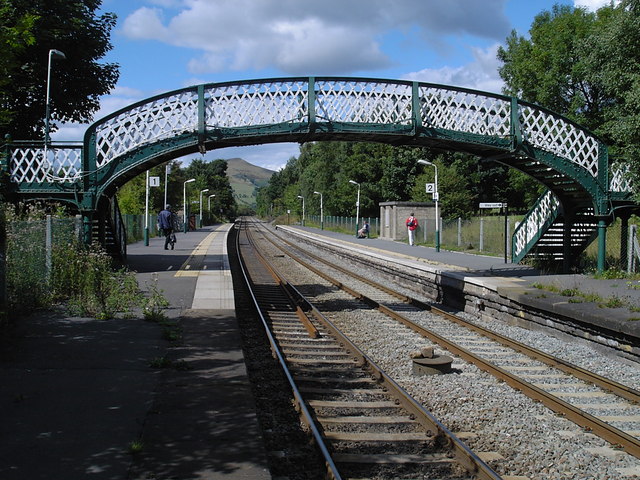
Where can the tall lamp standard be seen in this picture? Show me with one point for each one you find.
(201, 192)
(184, 203)
(357, 205)
(166, 174)
(53, 55)
(435, 197)
(212, 195)
(321, 211)
(300, 196)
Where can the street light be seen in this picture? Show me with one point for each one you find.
(166, 174)
(184, 202)
(300, 196)
(357, 205)
(212, 195)
(53, 54)
(321, 211)
(435, 197)
(201, 192)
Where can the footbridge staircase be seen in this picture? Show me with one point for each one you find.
(584, 192)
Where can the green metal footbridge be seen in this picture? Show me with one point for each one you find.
(585, 193)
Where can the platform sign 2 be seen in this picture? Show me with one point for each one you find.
(506, 223)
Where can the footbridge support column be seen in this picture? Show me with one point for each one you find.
(602, 244)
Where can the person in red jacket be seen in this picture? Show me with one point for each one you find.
(412, 224)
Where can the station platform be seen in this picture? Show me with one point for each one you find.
(85, 399)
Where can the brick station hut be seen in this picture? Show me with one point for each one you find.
(394, 214)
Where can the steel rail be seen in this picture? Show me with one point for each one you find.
(609, 433)
(462, 453)
(612, 386)
(332, 470)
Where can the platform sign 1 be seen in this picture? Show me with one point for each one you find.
(154, 181)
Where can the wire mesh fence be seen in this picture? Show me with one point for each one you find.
(29, 246)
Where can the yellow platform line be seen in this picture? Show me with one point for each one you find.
(193, 265)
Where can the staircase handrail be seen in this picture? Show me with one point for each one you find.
(533, 225)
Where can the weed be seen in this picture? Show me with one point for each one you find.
(569, 292)
(136, 446)
(153, 306)
(611, 274)
(160, 362)
(575, 300)
(182, 365)
(613, 302)
(171, 331)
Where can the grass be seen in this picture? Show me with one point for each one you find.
(576, 296)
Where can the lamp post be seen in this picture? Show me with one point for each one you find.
(201, 192)
(166, 174)
(184, 203)
(53, 54)
(212, 195)
(321, 211)
(300, 196)
(435, 197)
(146, 213)
(357, 205)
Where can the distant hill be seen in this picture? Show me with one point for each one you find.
(245, 179)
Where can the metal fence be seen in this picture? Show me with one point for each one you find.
(29, 246)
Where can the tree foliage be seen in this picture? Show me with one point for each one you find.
(386, 173)
(208, 175)
(585, 66)
(15, 36)
(70, 26)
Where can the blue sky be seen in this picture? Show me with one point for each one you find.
(163, 45)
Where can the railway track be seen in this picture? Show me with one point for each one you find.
(365, 425)
(604, 407)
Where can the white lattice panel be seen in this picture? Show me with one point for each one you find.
(464, 112)
(535, 220)
(28, 164)
(620, 178)
(150, 122)
(560, 137)
(363, 102)
(265, 103)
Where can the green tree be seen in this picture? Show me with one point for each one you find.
(612, 56)
(547, 68)
(15, 36)
(77, 83)
(585, 66)
(211, 176)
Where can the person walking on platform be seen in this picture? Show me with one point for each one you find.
(166, 224)
(412, 224)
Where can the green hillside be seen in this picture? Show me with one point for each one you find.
(245, 179)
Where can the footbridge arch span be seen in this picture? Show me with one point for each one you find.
(570, 161)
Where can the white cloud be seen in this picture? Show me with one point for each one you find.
(145, 23)
(593, 5)
(329, 37)
(481, 74)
